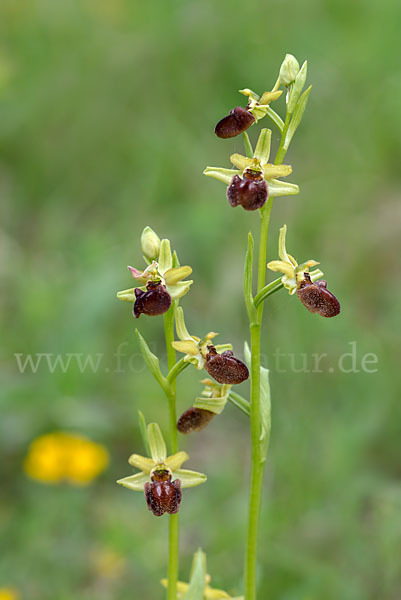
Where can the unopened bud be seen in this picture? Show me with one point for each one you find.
(150, 243)
(289, 70)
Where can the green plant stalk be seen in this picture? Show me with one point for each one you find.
(257, 465)
(171, 395)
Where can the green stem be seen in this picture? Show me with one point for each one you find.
(281, 152)
(257, 462)
(257, 466)
(174, 521)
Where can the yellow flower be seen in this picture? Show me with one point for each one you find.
(57, 457)
(9, 594)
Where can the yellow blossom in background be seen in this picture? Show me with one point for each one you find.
(57, 457)
(9, 594)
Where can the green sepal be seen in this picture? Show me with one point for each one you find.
(281, 188)
(134, 482)
(214, 405)
(248, 145)
(189, 478)
(127, 295)
(143, 430)
(262, 150)
(165, 257)
(224, 175)
(157, 445)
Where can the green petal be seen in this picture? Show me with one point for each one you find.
(270, 96)
(134, 482)
(189, 478)
(175, 461)
(157, 445)
(142, 463)
(250, 94)
(241, 162)
(186, 347)
(272, 171)
(174, 275)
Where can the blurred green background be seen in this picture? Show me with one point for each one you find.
(107, 109)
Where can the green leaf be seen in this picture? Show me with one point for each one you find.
(152, 361)
(265, 413)
(265, 407)
(262, 150)
(248, 294)
(297, 87)
(197, 584)
(143, 430)
(157, 445)
(297, 117)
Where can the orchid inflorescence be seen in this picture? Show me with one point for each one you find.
(253, 183)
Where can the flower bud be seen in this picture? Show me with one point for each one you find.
(225, 368)
(317, 298)
(155, 301)
(251, 192)
(163, 495)
(150, 243)
(194, 419)
(238, 121)
(289, 70)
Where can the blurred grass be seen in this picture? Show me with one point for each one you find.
(106, 116)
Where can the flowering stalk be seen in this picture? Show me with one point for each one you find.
(252, 184)
(171, 397)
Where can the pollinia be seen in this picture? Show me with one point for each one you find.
(253, 182)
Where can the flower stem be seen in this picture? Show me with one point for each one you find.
(174, 519)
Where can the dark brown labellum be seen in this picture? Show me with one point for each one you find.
(250, 192)
(317, 298)
(163, 495)
(155, 301)
(238, 121)
(194, 419)
(225, 368)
